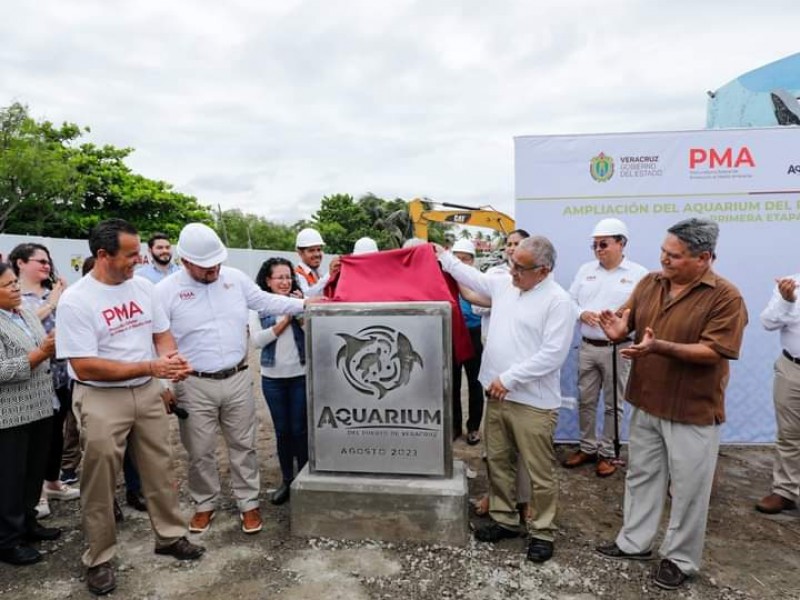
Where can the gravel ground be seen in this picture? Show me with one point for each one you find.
(747, 555)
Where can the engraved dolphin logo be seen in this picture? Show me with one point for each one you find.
(407, 357)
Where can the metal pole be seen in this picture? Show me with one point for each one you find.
(615, 379)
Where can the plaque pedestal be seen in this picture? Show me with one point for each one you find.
(381, 508)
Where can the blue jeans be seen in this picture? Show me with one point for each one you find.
(286, 399)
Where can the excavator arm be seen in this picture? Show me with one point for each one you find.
(423, 212)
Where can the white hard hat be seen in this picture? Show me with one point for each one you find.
(200, 245)
(464, 246)
(610, 227)
(306, 238)
(365, 245)
(415, 241)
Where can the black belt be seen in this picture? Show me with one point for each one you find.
(114, 387)
(603, 343)
(791, 358)
(224, 374)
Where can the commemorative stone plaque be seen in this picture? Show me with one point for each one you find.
(379, 388)
(379, 409)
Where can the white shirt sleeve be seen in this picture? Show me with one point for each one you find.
(573, 291)
(310, 291)
(779, 313)
(466, 275)
(260, 337)
(75, 335)
(273, 304)
(553, 351)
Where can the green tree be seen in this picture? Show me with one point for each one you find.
(50, 185)
(37, 174)
(244, 230)
(341, 221)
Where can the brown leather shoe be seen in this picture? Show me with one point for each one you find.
(182, 549)
(774, 503)
(251, 521)
(579, 458)
(605, 468)
(201, 521)
(100, 579)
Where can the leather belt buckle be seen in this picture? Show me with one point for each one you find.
(220, 375)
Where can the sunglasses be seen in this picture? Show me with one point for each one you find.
(602, 245)
(282, 277)
(41, 261)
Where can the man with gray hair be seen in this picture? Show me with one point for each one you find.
(527, 342)
(688, 323)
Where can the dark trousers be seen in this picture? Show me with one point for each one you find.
(286, 399)
(23, 456)
(472, 367)
(133, 483)
(52, 470)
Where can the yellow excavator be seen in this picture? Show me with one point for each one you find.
(423, 212)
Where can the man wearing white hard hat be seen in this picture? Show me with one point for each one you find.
(208, 308)
(309, 245)
(602, 284)
(364, 245)
(464, 250)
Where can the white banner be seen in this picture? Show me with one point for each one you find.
(748, 180)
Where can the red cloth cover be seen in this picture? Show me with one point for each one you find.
(407, 274)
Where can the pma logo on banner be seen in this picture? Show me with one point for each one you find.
(715, 163)
(601, 168)
(715, 159)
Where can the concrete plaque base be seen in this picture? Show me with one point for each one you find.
(420, 509)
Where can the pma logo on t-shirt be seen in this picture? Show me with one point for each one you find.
(123, 312)
(186, 295)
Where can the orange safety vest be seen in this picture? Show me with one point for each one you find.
(309, 276)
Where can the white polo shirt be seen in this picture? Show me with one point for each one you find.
(596, 288)
(529, 334)
(209, 321)
(115, 322)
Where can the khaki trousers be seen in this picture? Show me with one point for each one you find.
(786, 395)
(228, 406)
(661, 451)
(595, 372)
(513, 430)
(110, 418)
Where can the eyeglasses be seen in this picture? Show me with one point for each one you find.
(602, 245)
(41, 261)
(282, 277)
(513, 266)
(11, 284)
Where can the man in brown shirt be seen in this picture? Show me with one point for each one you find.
(689, 324)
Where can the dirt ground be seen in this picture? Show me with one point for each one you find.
(747, 555)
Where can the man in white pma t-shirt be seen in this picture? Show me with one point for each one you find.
(107, 326)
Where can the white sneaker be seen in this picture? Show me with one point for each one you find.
(42, 508)
(62, 492)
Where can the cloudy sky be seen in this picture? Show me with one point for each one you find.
(267, 106)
